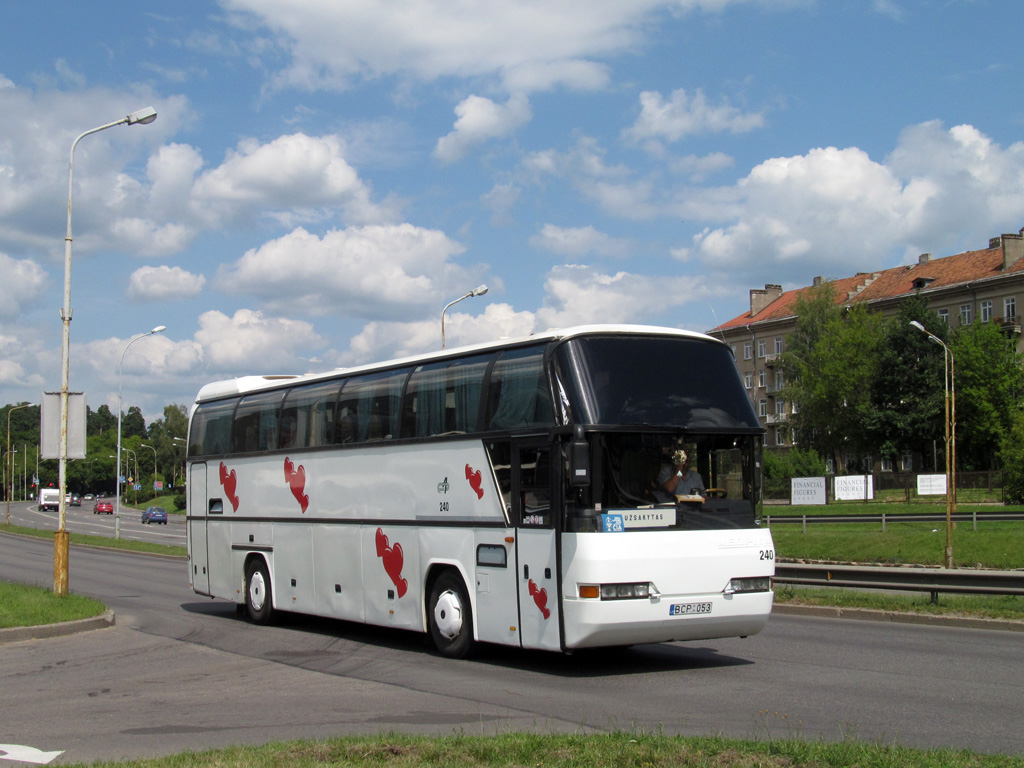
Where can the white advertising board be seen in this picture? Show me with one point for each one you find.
(855, 487)
(807, 490)
(931, 485)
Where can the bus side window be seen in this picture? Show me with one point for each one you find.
(306, 416)
(256, 422)
(371, 406)
(211, 428)
(518, 394)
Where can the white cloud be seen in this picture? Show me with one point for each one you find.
(381, 340)
(821, 212)
(574, 242)
(22, 283)
(524, 43)
(163, 284)
(237, 343)
(577, 294)
(480, 119)
(683, 115)
(373, 272)
(299, 177)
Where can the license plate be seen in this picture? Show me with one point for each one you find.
(689, 609)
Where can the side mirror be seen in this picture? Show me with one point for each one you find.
(579, 460)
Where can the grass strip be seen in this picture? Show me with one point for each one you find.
(22, 605)
(993, 545)
(618, 750)
(100, 541)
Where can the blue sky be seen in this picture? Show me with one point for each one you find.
(325, 175)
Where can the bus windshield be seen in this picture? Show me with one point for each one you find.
(720, 490)
(664, 381)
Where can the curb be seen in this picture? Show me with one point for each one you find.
(870, 614)
(44, 631)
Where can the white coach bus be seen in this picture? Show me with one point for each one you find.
(508, 493)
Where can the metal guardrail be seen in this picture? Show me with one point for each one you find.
(896, 517)
(934, 580)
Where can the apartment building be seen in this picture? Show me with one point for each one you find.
(976, 286)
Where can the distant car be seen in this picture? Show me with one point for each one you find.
(103, 508)
(154, 515)
(88, 497)
(76, 500)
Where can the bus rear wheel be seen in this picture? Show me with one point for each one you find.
(450, 616)
(258, 595)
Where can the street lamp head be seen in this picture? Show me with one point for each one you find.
(918, 326)
(142, 117)
(159, 329)
(480, 290)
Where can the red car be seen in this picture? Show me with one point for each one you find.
(103, 507)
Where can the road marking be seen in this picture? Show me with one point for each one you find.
(27, 754)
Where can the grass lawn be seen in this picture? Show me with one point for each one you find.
(779, 747)
(26, 606)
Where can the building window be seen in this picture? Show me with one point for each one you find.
(762, 348)
(908, 462)
(780, 407)
(1010, 307)
(965, 314)
(986, 311)
(779, 381)
(886, 464)
(748, 380)
(778, 345)
(944, 316)
(780, 436)
(733, 348)
(748, 350)
(760, 378)
(762, 407)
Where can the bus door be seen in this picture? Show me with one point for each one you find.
(198, 551)
(533, 499)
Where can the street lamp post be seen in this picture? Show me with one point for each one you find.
(480, 290)
(132, 340)
(10, 467)
(60, 540)
(949, 375)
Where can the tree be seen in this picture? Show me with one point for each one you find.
(1011, 454)
(101, 420)
(989, 381)
(829, 366)
(133, 424)
(907, 393)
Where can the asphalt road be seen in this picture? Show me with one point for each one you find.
(83, 520)
(183, 672)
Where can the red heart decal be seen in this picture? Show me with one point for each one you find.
(393, 560)
(540, 597)
(296, 479)
(475, 481)
(229, 480)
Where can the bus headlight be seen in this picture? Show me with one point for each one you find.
(755, 584)
(631, 591)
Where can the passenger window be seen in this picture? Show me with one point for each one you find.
(518, 394)
(307, 417)
(256, 422)
(370, 406)
(444, 397)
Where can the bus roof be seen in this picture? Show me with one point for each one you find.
(244, 384)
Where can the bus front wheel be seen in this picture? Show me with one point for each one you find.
(451, 617)
(258, 600)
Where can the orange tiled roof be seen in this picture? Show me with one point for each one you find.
(892, 283)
